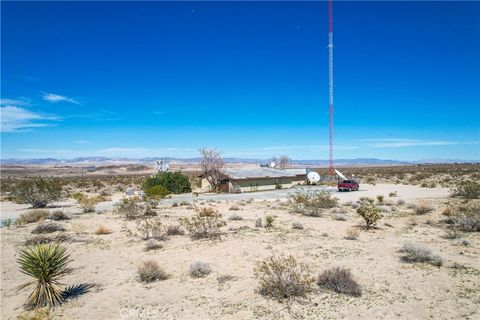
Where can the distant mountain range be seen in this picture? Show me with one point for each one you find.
(338, 162)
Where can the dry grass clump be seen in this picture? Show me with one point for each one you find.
(416, 252)
(200, 269)
(258, 223)
(152, 244)
(466, 217)
(41, 239)
(283, 278)
(235, 217)
(352, 233)
(206, 223)
(150, 271)
(422, 208)
(369, 213)
(37, 314)
(48, 228)
(152, 229)
(340, 280)
(58, 215)
(175, 230)
(234, 208)
(311, 203)
(102, 229)
(32, 216)
(297, 225)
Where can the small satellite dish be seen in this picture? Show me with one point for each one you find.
(272, 164)
(313, 177)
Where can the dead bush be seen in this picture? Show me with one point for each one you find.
(200, 269)
(352, 234)
(466, 217)
(175, 230)
(422, 208)
(311, 203)
(258, 223)
(153, 244)
(206, 223)
(129, 208)
(103, 230)
(58, 215)
(235, 217)
(48, 228)
(234, 208)
(33, 216)
(41, 239)
(283, 278)
(340, 280)
(151, 229)
(297, 225)
(416, 252)
(150, 271)
(468, 189)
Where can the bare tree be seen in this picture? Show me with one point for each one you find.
(284, 161)
(211, 164)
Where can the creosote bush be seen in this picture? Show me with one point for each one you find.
(173, 182)
(380, 199)
(129, 209)
(370, 213)
(37, 192)
(340, 280)
(206, 223)
(416, 252)
(352, 233)
(156, 192)
(152, 229)
(47, 264)
(468, 189)
(41, 239)
(200, 269)
(466, 217)
(311, 203)
(150, 271)
(283, 278)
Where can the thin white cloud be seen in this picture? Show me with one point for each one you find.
(81, 141)
(15, 119)
(18, 102)
(52, 97)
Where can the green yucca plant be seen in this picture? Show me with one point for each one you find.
(269, 219)
(47, 263)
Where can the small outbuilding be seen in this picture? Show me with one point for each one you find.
(237, 180)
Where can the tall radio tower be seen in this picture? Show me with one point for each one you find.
(330, 87)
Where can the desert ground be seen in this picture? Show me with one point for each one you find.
(392, 288)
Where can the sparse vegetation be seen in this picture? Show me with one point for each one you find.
(466, 217)
(235, 217)
(200, 269)
(152, 229)
(311, 203)
(47, 264)
(150, 271)
(369, 213)
(468, 189)
(172, 182)
(102, 229)
(416, 252)
(32, 216)
(352, 233)
(206, 223)
(380, 199)
(283, 278)
(422, 208)
(156, 192)
(269, 219)
(297, 225)
(41, 239)
(258, 223)
(58, 215)
(153, 244)
(339, 280)
(175, 230)
(38, 192)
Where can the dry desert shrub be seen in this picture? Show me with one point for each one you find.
(48, 228)
(206, 223)
(392, 194)
(234, 208)
(380, 198)
(152, 244)
(352, 234)
(58, 215)
(311, 203)
(468, 189)
(235, 217)
(466, 217)
(341, 217)
(369, 213)
(40, 239)
(199, 269)
(283, 278)
(150, 271)
(37, 191)
(422, 208)
(400, 202)
(297, 225)
(258, 223)
(129, 209)
(152, 229)
(175, 230)
(33, 216)
(37, 314)
(103, 230)
(416, 252)
(340, 280)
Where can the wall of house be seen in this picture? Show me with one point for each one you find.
(259, 184)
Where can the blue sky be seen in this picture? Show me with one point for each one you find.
(249, 78)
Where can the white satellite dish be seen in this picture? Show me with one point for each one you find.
(313, 177)
(272, 164)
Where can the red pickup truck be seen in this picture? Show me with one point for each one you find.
(347, 185)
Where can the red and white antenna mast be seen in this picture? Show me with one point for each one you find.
(330, 87)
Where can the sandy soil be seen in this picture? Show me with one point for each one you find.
(392, 289)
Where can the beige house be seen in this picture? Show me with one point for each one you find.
(257, 179)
